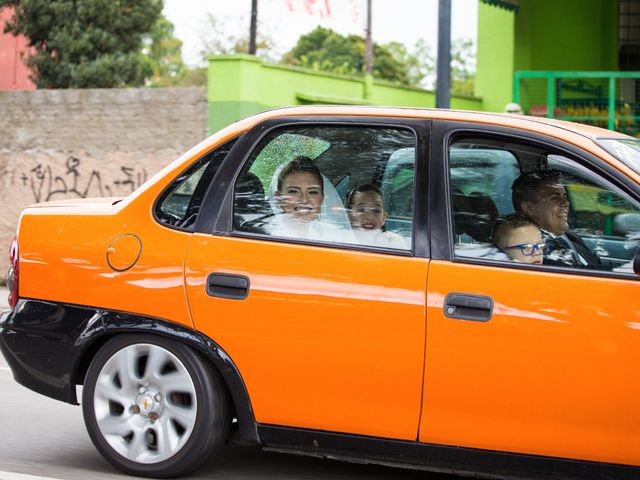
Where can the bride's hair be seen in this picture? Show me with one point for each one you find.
(300, 164)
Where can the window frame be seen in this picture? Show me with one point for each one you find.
(218, 214)
(195, 165)
(445, 133)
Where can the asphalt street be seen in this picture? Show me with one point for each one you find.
(46, 438)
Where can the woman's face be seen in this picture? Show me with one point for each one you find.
(301, 196)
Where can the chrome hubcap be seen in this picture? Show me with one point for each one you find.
(145, 403)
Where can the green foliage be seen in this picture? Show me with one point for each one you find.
(326, 50)
(463, 67)
(162, 56)
(84, 43)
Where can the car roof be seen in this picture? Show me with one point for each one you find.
(504, 119)
(584, 136)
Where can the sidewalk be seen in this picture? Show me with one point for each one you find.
(4, 293)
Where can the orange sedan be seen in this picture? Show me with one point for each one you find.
(436, 289)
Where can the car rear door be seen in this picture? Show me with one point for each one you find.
(528, 358)
(327, 335)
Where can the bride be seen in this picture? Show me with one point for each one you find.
(306, 204)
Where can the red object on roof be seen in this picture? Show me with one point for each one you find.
(14, 74)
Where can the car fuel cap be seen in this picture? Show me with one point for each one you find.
(123, 252)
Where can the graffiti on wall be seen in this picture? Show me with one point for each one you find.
(45, 184)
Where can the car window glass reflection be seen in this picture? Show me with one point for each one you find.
(179, 205)
(345, 185)
(558, 213)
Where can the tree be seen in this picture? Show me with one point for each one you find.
(463, 67)
(84, 43)
(324, 49)
(162, 56)
(221, 38)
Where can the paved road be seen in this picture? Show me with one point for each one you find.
(47, 438)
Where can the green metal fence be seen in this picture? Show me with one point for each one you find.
(605, 99)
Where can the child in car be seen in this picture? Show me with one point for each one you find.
(365, 208)
(521, 239)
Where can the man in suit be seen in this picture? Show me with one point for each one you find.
(543, 199)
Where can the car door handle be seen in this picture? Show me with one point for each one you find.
(463, 306)
(224, 285)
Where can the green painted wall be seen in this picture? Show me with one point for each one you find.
(566, 35)
(494, 77)
(241, 85)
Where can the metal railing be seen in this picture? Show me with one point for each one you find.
(607, 99)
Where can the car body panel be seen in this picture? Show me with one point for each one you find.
(344, 339)
(63, 254)
(551, 373)
(326, 338)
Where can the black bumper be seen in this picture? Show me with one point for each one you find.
(48, 346)
(42, 341)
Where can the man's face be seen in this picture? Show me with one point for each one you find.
(550, 210)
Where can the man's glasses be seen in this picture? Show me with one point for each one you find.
(528, 249)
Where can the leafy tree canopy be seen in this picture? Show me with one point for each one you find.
(84, 43)
(463, 67)
(324, 49)
(162, 56)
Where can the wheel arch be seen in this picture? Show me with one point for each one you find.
(114, 324)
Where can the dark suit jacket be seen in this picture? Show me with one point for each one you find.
(569, 250)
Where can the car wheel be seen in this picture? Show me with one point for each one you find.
(154, 407)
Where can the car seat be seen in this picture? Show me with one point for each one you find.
(474, 215)
(249, 199)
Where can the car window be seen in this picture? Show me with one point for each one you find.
(607, 221)
(627, 151)
(330, 184)
(529, 205)
(179, 204)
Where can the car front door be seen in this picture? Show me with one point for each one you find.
(327, 331)
(527, 358)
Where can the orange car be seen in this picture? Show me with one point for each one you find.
(438, 289)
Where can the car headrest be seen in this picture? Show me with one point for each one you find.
(249, 195)
(474, 215)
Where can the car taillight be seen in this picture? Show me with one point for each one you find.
(14, 271)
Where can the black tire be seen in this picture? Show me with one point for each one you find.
(212, 411)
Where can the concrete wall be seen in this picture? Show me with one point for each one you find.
(57, 144)
(241, 85)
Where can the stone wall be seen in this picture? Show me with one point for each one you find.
(57, 144)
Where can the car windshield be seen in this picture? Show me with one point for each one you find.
(627, 151)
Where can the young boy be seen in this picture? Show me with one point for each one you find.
(365, 208)
(521, 239)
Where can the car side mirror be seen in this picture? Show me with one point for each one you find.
(636, 262)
